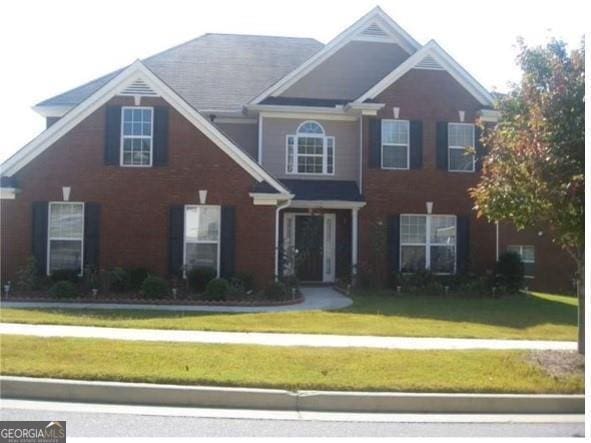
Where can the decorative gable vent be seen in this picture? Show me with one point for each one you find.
(374, 30)
(429, 63)
(138, 87)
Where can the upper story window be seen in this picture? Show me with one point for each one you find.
(395, 144)
(460, 141)
(65, 239)
(310, 150)
(202, 236)
(528, 257)
(137, 130)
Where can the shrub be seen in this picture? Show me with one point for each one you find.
(290, 282)
(509, 272)
(27, 276)
(217, 289)
(154, 287)
(247, 279)
(71, 275)
(137, 276)
(119, 280)
(198, 278)
(90, 279)
(276, 291)
(63, 289)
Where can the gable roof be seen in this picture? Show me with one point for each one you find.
(214, 71)
(375, 22)
(432, 56)
(129, 76)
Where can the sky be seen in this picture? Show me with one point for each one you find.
(48, 47)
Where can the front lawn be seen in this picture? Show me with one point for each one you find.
(287, 368)
(535, 316)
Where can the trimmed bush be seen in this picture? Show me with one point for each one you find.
(217, 289)
(137, 276)
(509, 272)
(198, 278)
(71, 275)
(154, 287)
(276, 291)
(119, 280)
(290, 282)
(247, 279)
(63, 289)
(27, 276)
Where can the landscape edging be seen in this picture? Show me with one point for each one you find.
(278, 399)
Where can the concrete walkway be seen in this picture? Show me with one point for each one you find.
(274, 339)
(315, 298)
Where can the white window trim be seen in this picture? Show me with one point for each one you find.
(123, 137)
(427, 245)
(49, 238)
(217, 242)
(407, 145)
(463, 148)
(296, 154)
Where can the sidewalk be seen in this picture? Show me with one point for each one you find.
(275, 339)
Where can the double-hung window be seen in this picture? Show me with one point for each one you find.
(528, 257)
(310, 150)
(137, 130)
(460, 137)
(428, 242)
(65, 236)
(395, 144)
(202, 237)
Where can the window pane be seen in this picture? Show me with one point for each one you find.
(412, 258)
(443, 229)
(202, 224)
(201, 255)
(310, 128)
(290, 153)
(65, 254)
(413, 229)
(443, 259)
(310, 164)
(529, 269)
(460, 135)
(395, 132)
(310, 145)
(66, 220)
(395, 157)
(461, 160)
(329, 155)
(528, 254)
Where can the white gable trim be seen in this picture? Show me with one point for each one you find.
(353, 32)
(112, 88)
(436, 52)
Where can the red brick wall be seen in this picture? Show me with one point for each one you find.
(135, 201)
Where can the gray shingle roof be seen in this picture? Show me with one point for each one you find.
(215, 71)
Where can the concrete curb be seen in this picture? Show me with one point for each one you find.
(277, 399)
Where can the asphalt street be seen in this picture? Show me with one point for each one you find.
(88, 420)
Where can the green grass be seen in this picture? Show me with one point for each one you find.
(534, 316)
(278, 367)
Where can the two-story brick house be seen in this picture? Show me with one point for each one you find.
(266, 155)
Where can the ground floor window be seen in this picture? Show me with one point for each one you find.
(428, 242)
(65, 239)
(528, 257)
(202, 237)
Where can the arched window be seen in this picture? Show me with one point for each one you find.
(310, 150)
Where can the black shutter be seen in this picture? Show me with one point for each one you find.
(478, 147)
(160, 136)
(113, 135)
(375, 143)
(442, 146)
(39, 235)
(416, 144)
(228, 240)
(393, 243)
(92, 215)
(175, 240)
(463, 245)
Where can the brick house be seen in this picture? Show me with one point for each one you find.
(267, 155)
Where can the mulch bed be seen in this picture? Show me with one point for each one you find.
(139, 299)
(558, 363)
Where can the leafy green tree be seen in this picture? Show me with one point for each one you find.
(533, 175)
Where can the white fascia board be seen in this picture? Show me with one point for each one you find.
(489, 115)
(326, 204)
(367, 109)
(269, 199)
(100, 97)
(407, 42)
(450, 65)
(8, 193)
(308, 114)
(52, 110)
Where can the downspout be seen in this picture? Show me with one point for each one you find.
(279, 208)
(497, 245)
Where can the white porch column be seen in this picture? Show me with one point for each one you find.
(354, 240)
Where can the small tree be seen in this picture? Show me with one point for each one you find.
(533, 175)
